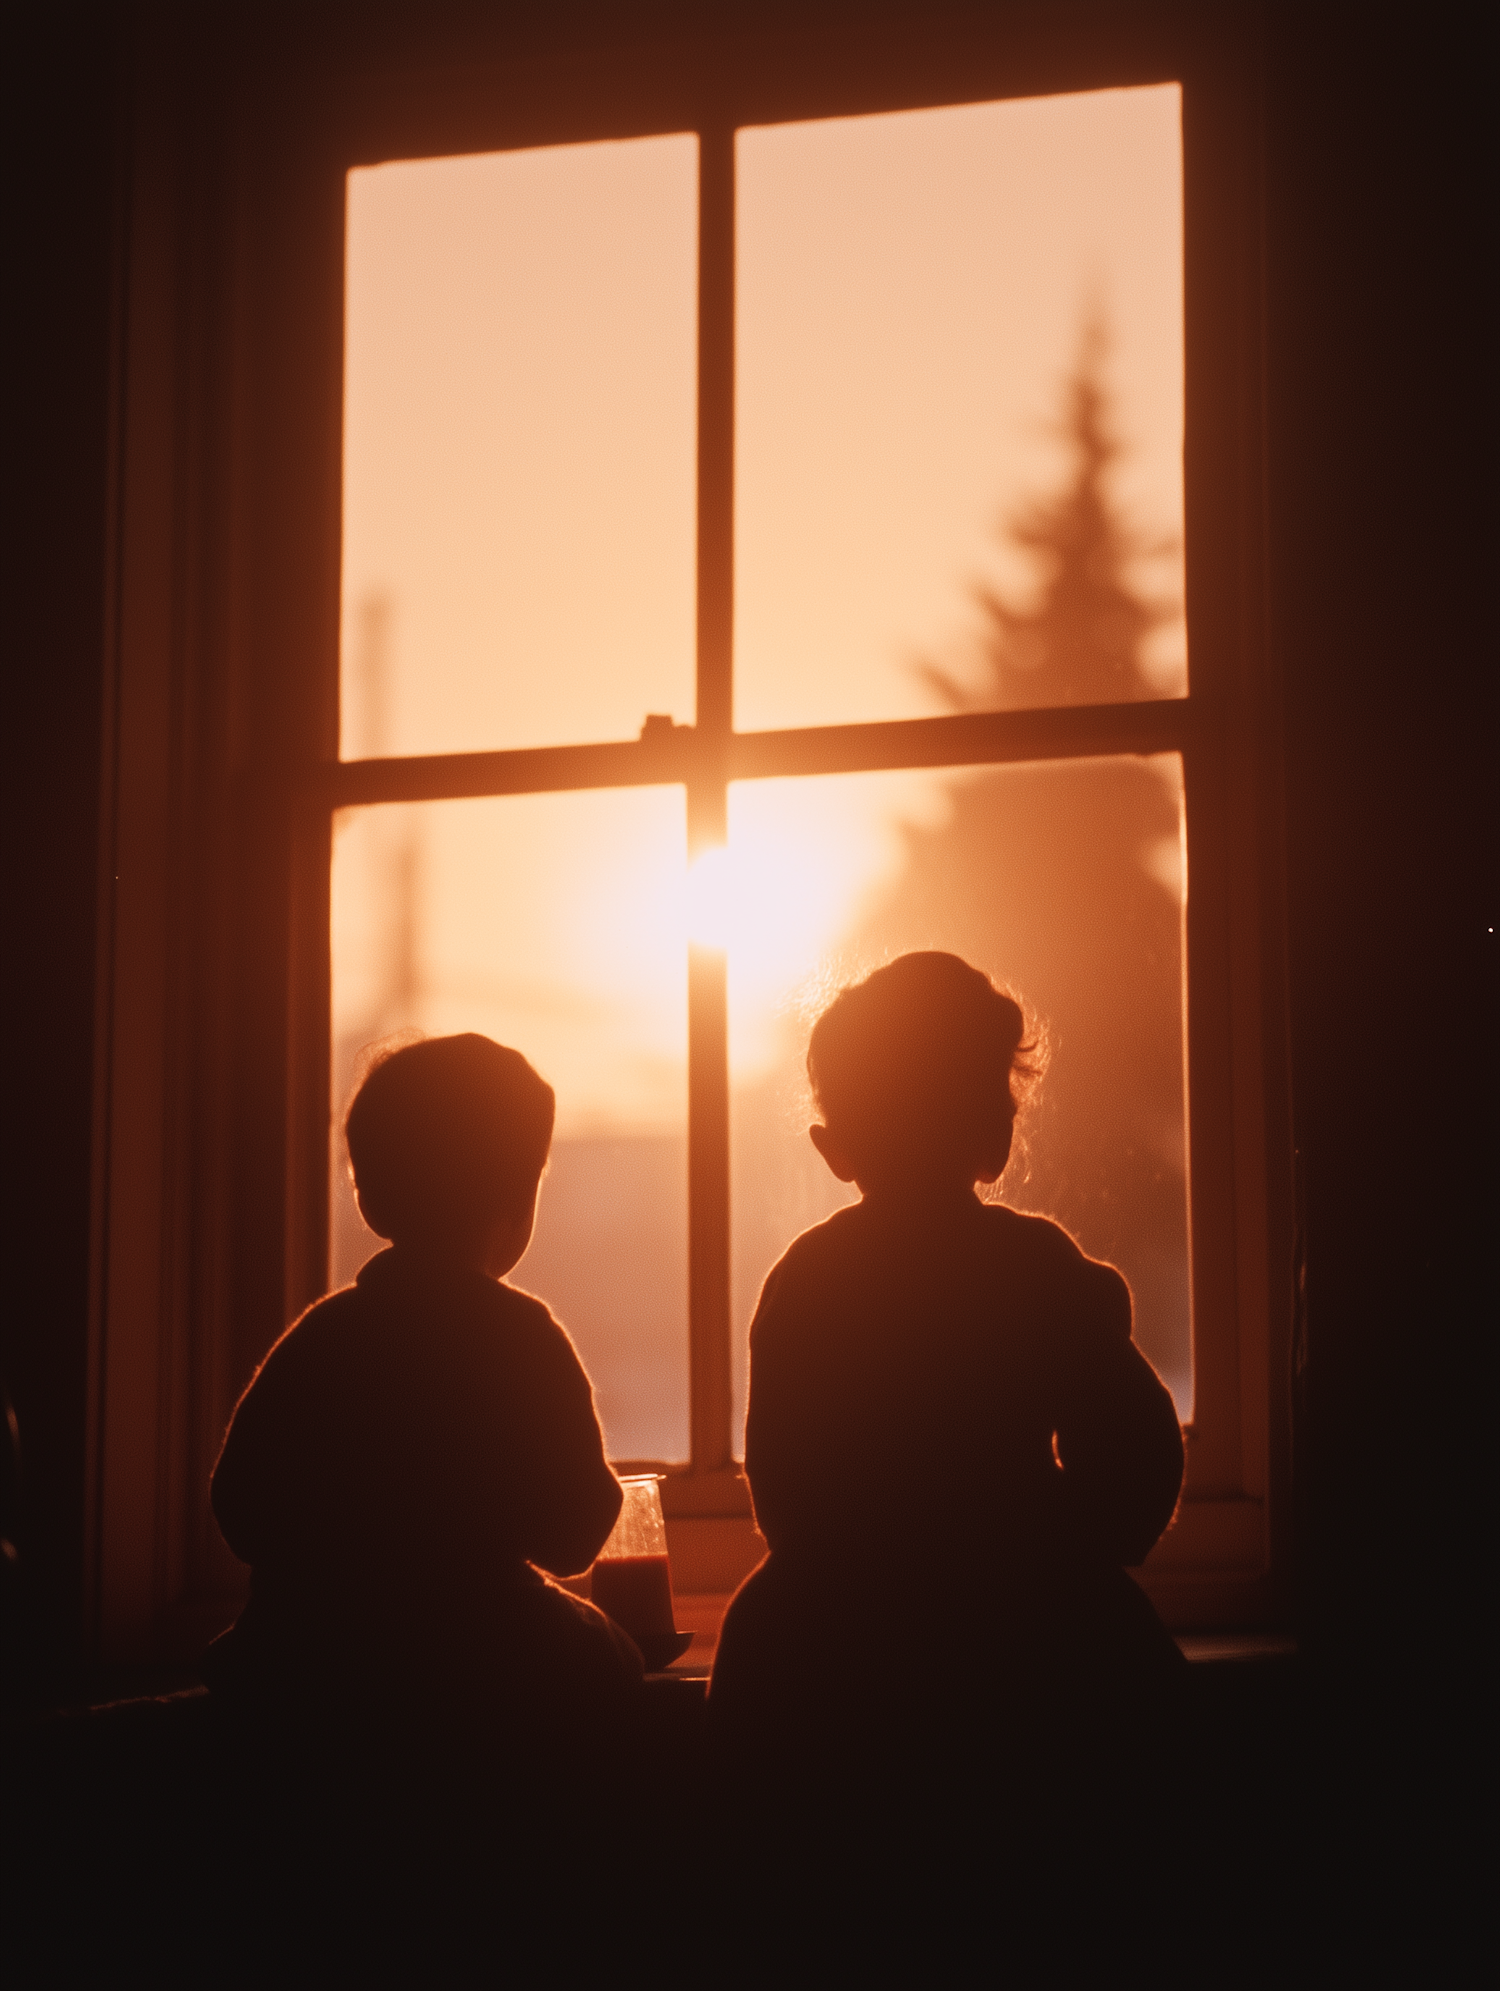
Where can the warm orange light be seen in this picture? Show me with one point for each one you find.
(710, 900)
(519, 529)
(778, 894)
(912, 292)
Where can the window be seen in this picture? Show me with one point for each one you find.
(792, 369)
(735, 614)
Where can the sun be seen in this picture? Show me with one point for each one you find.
(771, 901)
(781, 896)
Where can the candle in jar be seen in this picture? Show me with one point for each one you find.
(636, 1591)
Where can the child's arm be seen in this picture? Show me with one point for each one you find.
(250, 1490)
(791, 1452)
(1118, 1438)
(569, 1497)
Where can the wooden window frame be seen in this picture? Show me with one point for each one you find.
(267, 640)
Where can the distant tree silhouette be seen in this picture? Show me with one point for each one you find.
(1081, 643)
(1058, 877)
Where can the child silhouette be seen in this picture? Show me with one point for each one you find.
(952, 1441)
(419, 1447)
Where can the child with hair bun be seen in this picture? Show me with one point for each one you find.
(953, 1444)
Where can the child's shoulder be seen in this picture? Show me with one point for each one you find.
(320, 1327)
(524, 1314)
(1026, 1244)
(856, 1227)
(1057, 1268)
(412, 1301)
(1031, 1236)
(845, 1231)
(478, 1310)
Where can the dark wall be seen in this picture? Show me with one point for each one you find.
(59, 208)
(1381, 352)
(1380, 343)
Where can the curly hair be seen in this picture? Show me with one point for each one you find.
(926, 1050)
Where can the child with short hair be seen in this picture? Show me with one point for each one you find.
(418, 1448)
(951, 1434)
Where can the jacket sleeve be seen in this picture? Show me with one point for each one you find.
(568, 1497)
(792, 1443)
(1118, 1439)
(249, 1488)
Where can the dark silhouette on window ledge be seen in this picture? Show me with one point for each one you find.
(951, 1432)
(419, 1448)
(1068, 876)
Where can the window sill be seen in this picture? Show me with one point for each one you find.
(1209, 1573)
(703, 1615)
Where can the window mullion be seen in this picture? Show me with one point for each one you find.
(715, 431)
(708, 1021)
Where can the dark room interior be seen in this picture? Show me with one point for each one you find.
(175, 220)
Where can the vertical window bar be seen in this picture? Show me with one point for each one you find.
(708, 1211)
(708, 1034)
(715, 431)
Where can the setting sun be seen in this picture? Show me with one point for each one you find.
(949, 327)
(779, 898)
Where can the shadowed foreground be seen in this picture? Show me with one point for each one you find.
(166, 1832)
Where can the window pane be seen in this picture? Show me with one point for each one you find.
(1064, 881)
(554, 923)
(519, 447)
(960, 408)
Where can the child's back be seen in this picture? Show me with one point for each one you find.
(404, 1454)
(415, 1449)
(956, 1352)
(950, 1431)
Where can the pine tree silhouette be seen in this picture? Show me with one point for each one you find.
(1057, 877)
(1081, 643)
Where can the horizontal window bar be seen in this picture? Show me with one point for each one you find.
(503, 106)
(668, 753)
(655, 758)
(960, 739)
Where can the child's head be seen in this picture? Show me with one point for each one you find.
(448, 1139)
(912, 1070)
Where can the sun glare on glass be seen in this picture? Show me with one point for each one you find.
(778, 895)
(957, 487)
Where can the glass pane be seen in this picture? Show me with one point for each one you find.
(554, 923)
(1066, 882)
(960, 406)
(519, 447)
